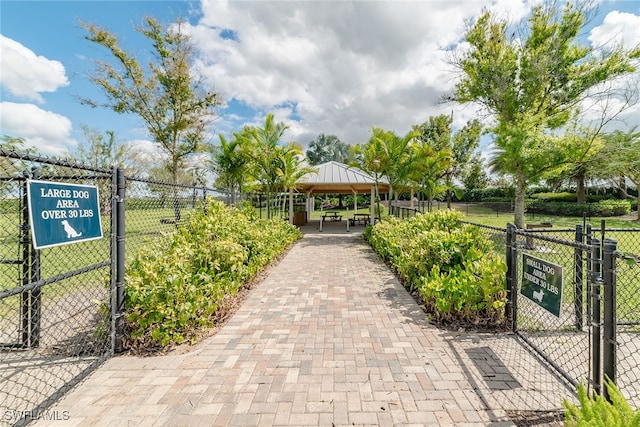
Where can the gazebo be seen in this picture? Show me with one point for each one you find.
(338, 178)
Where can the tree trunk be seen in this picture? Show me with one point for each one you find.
(521, 189)
(449, 182)
(377, 201)
(580, 192)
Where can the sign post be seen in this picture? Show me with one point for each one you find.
(61, 214)
(542, 283)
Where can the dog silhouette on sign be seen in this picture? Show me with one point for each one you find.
(538, 295)
(71, 232)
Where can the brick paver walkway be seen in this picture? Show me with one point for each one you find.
(329, 338)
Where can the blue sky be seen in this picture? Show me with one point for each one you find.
(321, 67)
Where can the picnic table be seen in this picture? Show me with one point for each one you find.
(360, 218)
(332, 216)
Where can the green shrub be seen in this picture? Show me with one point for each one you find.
(555, 197)
(175, 285)
(571, 197)
(498, 200)
(482, 194)
(601, 209)
(599, 411)
(449, 264)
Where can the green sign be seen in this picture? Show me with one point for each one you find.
(542, 283)
(63, 213)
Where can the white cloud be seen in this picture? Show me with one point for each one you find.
(618, 28)
(47, 131)
(619, 96)
(25, 74)
(338, 67)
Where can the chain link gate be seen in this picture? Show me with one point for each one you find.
(594, 334)
(56, 308)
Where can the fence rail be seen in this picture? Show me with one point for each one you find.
(61, 306)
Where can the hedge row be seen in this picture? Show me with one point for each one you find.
(449, 264)
(175, 285)
(601, 209)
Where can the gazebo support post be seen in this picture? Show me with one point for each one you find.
(291, 206)
(355, 203)
(347, 216)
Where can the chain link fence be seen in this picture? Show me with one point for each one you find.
(583, 341)
(155, 209)
(60, 305)
(54, 302)
(627, 300)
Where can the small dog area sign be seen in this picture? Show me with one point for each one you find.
(542, 283)
(61, 214)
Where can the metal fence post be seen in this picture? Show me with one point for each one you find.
(31, 300)
(596, 282)
(512, 279)
(588, 235)
(120, 254)
(26, 266)
(578, 299)
(609, 339)
(113, 253)
(36, 294)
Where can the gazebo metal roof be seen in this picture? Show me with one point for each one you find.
(338, 178)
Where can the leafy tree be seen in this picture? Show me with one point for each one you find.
(100, 151)
(11, 167)
(326, 148)
(585, 145)
(174, 106)
(17, 144)
(531, 83)
(622, 154)
(473, 175)
(437, 132)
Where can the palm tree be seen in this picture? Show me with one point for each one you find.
(429, 166)
(396, 159)
(371, 158)
(291, 167)
(230, 162)
(266, 145)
